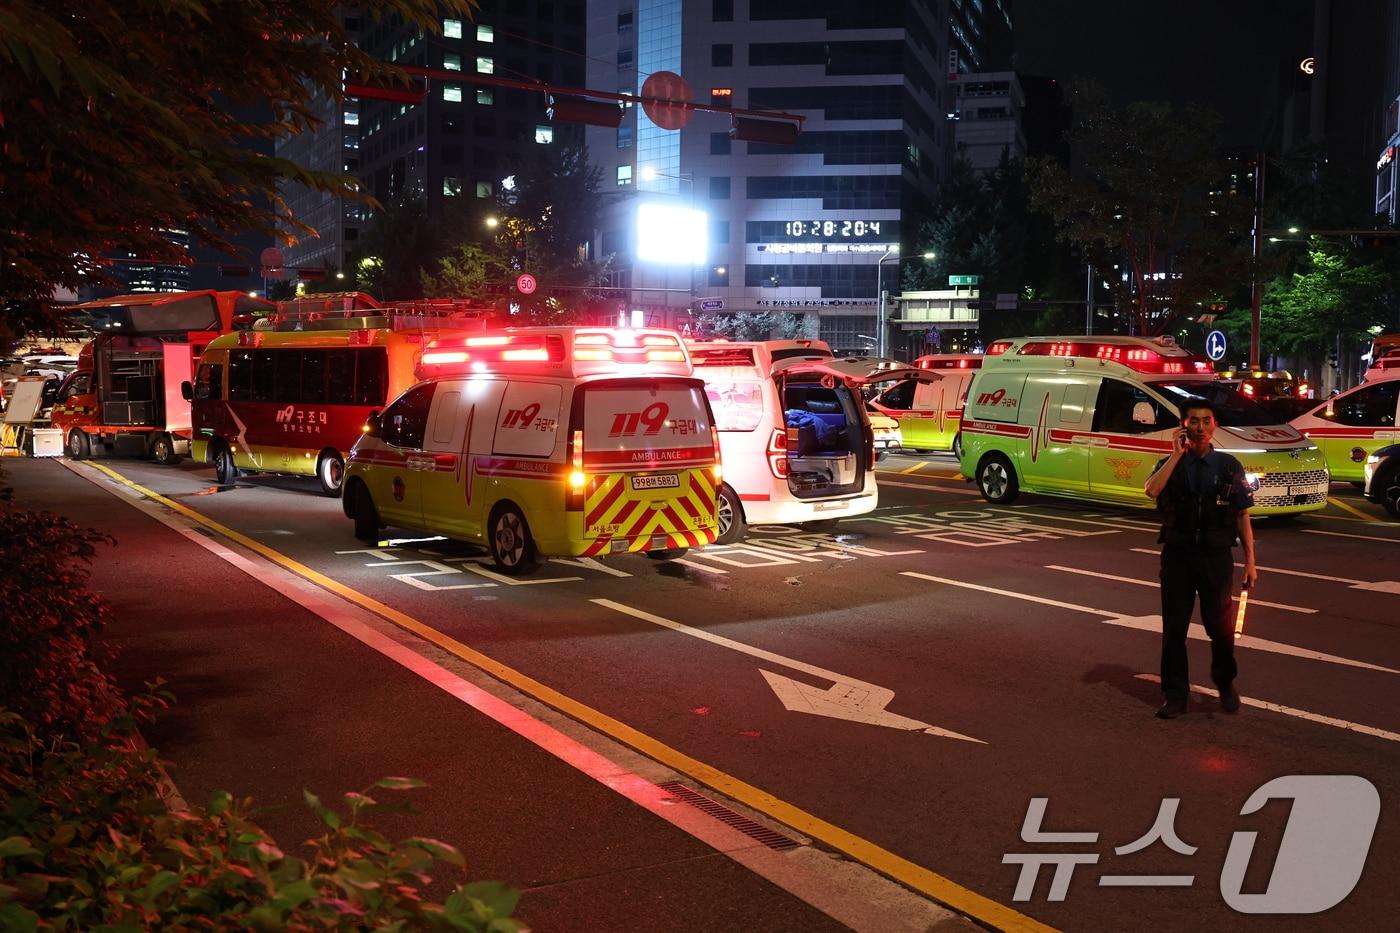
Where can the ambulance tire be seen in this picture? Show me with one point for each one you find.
(163, 450)
(366, 515)
(512, 546)
(731, 516)
(957, 446)
(330, 472)
(996, 479)
(225, 472)
(1387, 490)
(79, 447)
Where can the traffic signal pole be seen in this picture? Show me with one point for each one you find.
(1255, 272)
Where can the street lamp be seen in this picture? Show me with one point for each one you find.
(880, 328)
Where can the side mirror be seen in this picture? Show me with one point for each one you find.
(1143, 413)
(186, 391)
(371, 425)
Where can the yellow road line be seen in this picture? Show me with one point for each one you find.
(931, 884)
(1352, 509)
(915, 468)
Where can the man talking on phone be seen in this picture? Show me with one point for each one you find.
(1204, 499)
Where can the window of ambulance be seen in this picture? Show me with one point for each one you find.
(1232, 409)
(1120, 410)
(648, 425)
(737, 404)
(403, 422)
(1369, 406)
(899, 396)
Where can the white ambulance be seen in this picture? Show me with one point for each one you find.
(544, 441)
(930, 412)
(1090, 417)
(794, 430)
(1355, 424)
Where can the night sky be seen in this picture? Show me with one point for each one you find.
(1224, 53)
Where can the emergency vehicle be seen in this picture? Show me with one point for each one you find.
(797, 441)
(128, 381)
(1355, 424)
(1090, 418)
(545, 441)
(930, 412)
(290, 395)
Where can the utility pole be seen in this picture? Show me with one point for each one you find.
(1089, 301)
(1256, 248)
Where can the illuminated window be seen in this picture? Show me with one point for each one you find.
(451, 187)
(624, 174)
(484, 189)
(484, 95)
(485, 34)
(451, 61)
(485, 65)
(452, 28)
(452, 93)
(352, 118)
(544, 135)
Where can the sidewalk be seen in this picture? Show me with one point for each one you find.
(271, 700)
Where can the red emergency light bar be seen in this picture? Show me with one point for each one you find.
(727, 356)
(497, 348)
(950, 364)
(1388, 362)
(625, 346)
(998, 347)
(1141, 359)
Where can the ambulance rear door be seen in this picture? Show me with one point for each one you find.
(1132, 431)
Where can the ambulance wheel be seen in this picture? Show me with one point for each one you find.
(996, 479)
(163, 450)
(330, 470)
(512, 547)
(224, 470)
(731, 516)
(957, 446)
(78, 446)
(1387, 490)
(366, 515)
(668, 553)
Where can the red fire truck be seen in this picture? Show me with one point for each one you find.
(126, 389)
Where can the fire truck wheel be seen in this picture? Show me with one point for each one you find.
(512, 547)
(366, 515)
(224, 470)
(78, 445)
(163, 450)
(731, 516)
(330, 470)
(996, 479)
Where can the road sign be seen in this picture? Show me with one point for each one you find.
(1215, 345)
(711, 304)
(525, 284)
(964, 279)
(667, 94)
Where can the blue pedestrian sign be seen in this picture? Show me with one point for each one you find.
(1215, 345)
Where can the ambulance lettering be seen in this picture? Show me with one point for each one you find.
(627, 423)
(521, 417)
(997, 398)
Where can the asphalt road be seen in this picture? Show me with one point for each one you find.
(915, 678)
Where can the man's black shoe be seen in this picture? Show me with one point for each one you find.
(1174, 708)
(1229, 700)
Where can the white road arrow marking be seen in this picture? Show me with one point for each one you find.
(849, 699)
(1371, 586)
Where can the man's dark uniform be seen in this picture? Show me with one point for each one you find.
(1200, 522)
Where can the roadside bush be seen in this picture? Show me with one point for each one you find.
(50, 669)
(87, 842)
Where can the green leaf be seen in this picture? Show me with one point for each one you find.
(16, 846)
(296, 893)
(162, 882)
(219, 802)
(400, 783)
(440, 850)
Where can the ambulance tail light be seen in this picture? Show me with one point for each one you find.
(577, 482)
(714, 445)
(777, 454)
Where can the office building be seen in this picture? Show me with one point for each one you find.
(990, 115)
(813, 227)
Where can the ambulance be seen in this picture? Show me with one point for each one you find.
(1090, 418)
(797, 441)
(929, 412)
(1355, 424)
(544, 442)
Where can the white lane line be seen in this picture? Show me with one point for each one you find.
(1376, 586)
(1133, 580)
(864, 901)
(929, 487)
(1343, 534)
(1111, 521)
(851, 699)
(1344, 724)
(1153, 624)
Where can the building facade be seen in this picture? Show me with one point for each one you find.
(990, 115)
(1387, 115)
(812, 228)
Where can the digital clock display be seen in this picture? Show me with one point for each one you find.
(826, 229)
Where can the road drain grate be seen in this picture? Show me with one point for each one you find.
(756, 831)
